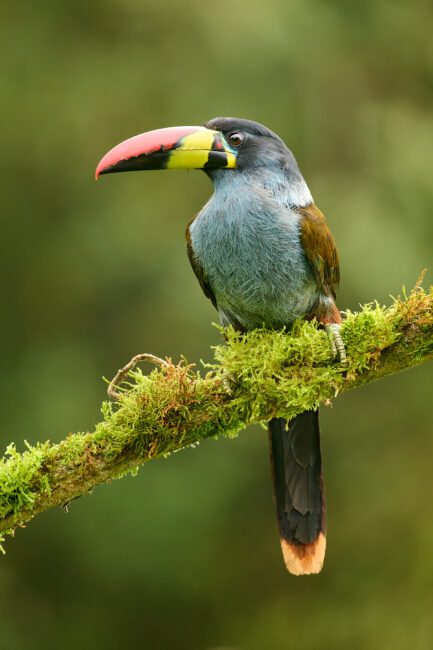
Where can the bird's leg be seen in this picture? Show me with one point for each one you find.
(337, 345)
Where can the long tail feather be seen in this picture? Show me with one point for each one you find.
(299, 495)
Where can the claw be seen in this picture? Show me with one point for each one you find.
(337, 345)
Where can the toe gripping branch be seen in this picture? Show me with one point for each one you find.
(333, 331)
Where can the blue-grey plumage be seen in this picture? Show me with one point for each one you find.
(247, 241)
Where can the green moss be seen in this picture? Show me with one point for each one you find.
(262, 366)
(22, 477)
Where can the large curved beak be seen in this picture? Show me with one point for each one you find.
(178, 147)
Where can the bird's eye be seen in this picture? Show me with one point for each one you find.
(236, 139)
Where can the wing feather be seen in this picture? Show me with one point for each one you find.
(198, 269)
(320, 249)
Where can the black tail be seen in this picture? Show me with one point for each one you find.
(298, 486)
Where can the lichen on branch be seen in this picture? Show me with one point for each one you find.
(255, 376)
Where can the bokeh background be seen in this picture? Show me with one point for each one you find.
(186, 555)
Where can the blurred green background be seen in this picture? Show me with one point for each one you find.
(94, 273)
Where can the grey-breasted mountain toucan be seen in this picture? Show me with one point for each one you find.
(264, 256)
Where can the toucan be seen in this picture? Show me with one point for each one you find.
(264, 255)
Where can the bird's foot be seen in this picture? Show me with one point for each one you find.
(337, 345)
(228, 382)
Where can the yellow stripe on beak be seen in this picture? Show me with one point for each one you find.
(202, 139)
(231, 160)
(190, 159)
(198, 151)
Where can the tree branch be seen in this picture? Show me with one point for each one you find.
(256, 376)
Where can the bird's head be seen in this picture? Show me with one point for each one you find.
(254, 145)
(224, 144)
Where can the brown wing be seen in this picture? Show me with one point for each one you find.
(198, 269)
(320, 249)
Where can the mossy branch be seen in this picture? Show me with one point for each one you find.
(269, 373)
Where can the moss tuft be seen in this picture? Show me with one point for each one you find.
(22, 477)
